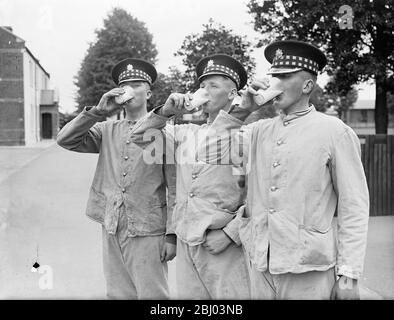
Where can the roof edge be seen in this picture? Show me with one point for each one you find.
(37, 61)
(27, 49)
(12, 33)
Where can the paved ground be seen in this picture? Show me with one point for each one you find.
(379, 260)
(43, 193)
(13, 159)
(42, 202)
(44, 209)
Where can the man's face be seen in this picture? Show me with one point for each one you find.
(141, 91)
(220, 91)
(293, 87)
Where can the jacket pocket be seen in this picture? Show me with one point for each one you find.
(155, 218)
(96, 206)
(317, 247)
(112, 213)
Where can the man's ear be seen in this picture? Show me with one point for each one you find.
(232, 94)
(308, 86)
(148, 94)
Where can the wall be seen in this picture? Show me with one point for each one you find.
(362, 121)
(34, 81)
(11, 90)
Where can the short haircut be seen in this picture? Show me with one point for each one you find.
(307, 75)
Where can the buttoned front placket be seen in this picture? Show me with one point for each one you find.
(195, 172)
(278, 169)
(278, 181)
(195, 167)
(127, 159)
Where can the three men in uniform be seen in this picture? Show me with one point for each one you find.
(301, 167)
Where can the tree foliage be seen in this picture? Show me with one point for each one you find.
(122, 36)
(165, 85)
(390, 102)
(323, 99)
(361, 51)
(214, 38)
(317, 98)
(65, 118)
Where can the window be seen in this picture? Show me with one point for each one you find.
(364, 115)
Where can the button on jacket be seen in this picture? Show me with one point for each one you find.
(301, 168)
(207, 196)
(122, 176)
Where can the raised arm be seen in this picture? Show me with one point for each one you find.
(228, 139)
(83, 134)
(153, 131)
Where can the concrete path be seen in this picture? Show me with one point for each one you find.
(45, 210)
(42, 205)
(379, 261)
(42, 210)
(12, 159)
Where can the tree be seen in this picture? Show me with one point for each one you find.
(215, 38)
(323, 99)
(390, 103)
(318, 98)
(122, 36)
(341, 100)
(165, 85)
(65, 118)
(358, 42)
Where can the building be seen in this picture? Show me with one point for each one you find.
(28, 107)
(361, 117)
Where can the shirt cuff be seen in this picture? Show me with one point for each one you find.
(92, 112)
(231, 230)
(171, 238)
(348, 271)
(240, 113)
(158, 111)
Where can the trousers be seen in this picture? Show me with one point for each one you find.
(132, 266)
(312, 285)
(202, 275)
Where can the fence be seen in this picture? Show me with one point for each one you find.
(378, 160)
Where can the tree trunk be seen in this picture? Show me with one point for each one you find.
(381, 112)
(382, 53)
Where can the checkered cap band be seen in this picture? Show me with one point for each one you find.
(289, 61)
(223, 69)
(134, 74)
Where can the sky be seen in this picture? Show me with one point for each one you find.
(58, 32)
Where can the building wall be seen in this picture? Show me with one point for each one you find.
(21, 81)
(11, 98)
(362, 121)
(35, 80)
(11, 90)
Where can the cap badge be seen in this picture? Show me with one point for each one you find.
(130, 67)
(278, 54)
(210, 63)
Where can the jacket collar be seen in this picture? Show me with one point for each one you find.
(298, 114)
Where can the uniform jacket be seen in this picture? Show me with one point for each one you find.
(207, 196)
(301, 169)
(122, 176)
